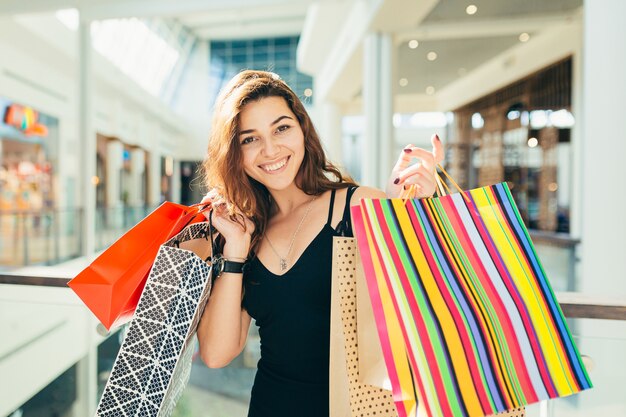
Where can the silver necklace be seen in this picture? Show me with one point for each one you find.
(283, 259)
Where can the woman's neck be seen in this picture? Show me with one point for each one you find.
(287, 200)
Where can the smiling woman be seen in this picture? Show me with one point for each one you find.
(277, 204)
(274, 148)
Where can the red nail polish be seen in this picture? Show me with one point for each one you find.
(397, 180)
(407, 150)
(437, 137)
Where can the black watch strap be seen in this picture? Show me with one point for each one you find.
(233, 266)
(221, 264)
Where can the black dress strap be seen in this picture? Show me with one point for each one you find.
(344, 228)
(330, 207)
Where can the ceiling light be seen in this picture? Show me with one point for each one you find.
(413, 44)
(430, 90)
(428, 119)
(397, 120)
(538, 119)
(533, 142)
(561, 119)
(431, 56)
(403, 82)
(477, 121)
(471, 9)
(524, 37)
(308, 92)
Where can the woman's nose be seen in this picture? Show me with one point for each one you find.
(270, 148)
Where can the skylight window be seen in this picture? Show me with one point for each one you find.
(131, 45)
(136, 50)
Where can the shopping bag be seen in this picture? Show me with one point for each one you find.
(350, 396)
(154, 361)
(111, 285)
(372, 368)
(483, 331)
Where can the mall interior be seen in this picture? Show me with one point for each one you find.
(106, 112)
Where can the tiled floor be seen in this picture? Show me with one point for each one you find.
(223, 392)
(198, 402)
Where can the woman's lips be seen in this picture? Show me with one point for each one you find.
(275, 166)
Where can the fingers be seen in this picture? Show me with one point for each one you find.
(223, 216)
(420, 176)
(415, 172)
(409, 152)
(214, 198)
(430, 159)
(404, 159)
(438, 152)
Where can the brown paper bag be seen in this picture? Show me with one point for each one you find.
(349, 396)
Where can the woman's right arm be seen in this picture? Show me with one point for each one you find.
(223, 329)
(224, 325)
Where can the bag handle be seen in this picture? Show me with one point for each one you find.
(441, 188)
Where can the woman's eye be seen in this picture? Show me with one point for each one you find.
(283, 128)
(247, 140)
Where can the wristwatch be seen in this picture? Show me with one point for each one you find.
(221, 264)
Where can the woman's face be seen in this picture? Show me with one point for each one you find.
(271, 141)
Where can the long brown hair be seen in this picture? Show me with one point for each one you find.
(223, 167)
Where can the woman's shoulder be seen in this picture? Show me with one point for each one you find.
(366, 192)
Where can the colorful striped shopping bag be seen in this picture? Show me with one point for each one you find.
(481, 326)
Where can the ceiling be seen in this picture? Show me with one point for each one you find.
(454, 60)
(257, 20)
(462, 42)
(455, 9)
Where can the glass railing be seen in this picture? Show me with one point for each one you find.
(111, 223)
(50, 237)
(602, 343)
(45, 237)
(226, 391)
(557, 252)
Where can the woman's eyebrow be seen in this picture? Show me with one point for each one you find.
(280, 118)
(245, 132)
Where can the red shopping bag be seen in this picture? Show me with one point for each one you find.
(112, 284)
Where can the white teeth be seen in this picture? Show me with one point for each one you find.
(274, 167)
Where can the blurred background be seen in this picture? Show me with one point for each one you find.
(105, 110)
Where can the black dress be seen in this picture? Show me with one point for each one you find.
(293, 315)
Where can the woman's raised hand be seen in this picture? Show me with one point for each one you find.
(236, 230)
(420, 174)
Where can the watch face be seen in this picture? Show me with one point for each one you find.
(218, 264)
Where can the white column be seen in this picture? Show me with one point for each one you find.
(115, 158)
(137, 168)
(577, 143)
(87, 138)
(378, 109)
(604, 142)
(154, 177)
(329, 129)
(176, 181)
(87, 377)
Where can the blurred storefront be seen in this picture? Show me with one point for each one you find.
(28, 143)
(521, 134)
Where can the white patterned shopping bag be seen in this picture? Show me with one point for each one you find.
(154, 361)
